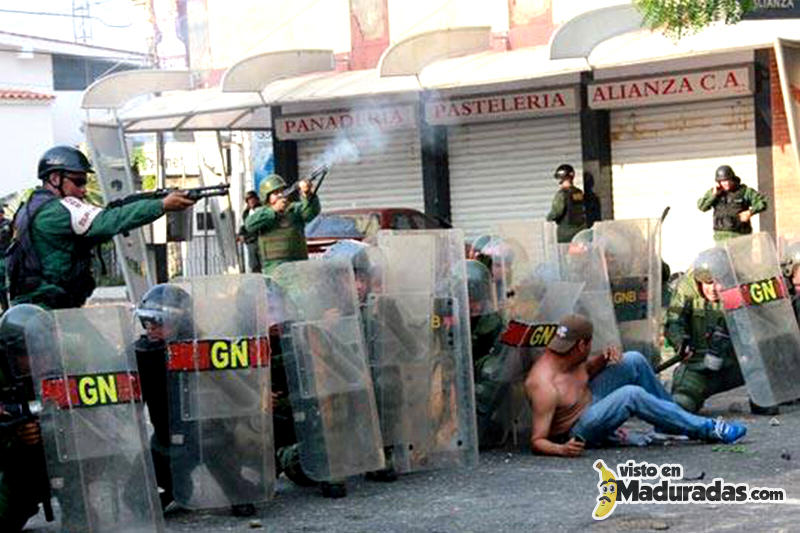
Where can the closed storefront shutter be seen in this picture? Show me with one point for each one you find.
(667, 155)
(386, 172)
(504, 170)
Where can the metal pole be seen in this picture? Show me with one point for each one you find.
(205, 236)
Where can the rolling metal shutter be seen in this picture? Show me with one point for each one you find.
(667, 155)
(504, 170)
(387, 173)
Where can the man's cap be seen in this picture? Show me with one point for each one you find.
(571, 329)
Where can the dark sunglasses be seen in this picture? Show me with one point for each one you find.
(78, 181)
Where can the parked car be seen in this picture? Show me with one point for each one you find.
(363, 223)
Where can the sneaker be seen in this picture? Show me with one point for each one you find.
(333, 490)
(726, 432)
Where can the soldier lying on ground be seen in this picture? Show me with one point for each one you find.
(579, 400)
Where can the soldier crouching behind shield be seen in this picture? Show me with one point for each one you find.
(23, 475)
(166, 315)
(696, 325)
(287, 447)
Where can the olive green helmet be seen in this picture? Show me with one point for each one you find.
(273, 183)
(701, 268)
(790, 258)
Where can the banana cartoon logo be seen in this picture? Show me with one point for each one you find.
(608, 492)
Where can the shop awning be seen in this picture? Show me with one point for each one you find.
(643, 46)
(201, 109)
(499, 67)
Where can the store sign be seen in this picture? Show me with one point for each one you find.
(498, 107)
(687, 87)
(376, 119)
(774, 9)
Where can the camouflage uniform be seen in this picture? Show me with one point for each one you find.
(701, 322)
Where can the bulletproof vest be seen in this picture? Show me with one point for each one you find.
(24, 267)
(286, 242)
(727, 209)
(575, 213)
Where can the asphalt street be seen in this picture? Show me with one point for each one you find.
(512, 490)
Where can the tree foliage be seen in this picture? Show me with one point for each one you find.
(677, 18)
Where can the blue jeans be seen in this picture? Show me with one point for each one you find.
(627, 389)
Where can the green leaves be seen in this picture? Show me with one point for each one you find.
(678, 18)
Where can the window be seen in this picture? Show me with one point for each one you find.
(204, 221)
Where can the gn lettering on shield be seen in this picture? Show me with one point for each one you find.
(541, 334)
(94, 390)
(229, 354)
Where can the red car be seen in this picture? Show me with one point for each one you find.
(362, 223)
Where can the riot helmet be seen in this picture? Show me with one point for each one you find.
(725, 172)
(13, 345)
(564, 172)
(272, 183)
(167, 306)
(60, 158)
(365, 260)
(790, 258)
(481, 290)
(702, 267)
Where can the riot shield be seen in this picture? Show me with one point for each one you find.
(633, 258)
(212, 172)
(218, 380)
(109, 154)
(759, 316)
(540, 304)
(92, 421)
(417, 325)
(585, 263)
(330, 388)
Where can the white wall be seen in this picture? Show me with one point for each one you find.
(28, 133)
(34, 74)
(68, 117)
(410, 17)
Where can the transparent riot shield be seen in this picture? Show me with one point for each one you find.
(95, 442)
(327, 371)
(109, 155)
(759, 316)
(417, 324)
(218, 381)
(633, 258)
(585, 263)
(540, 302)
(212, 172)
(518, 246)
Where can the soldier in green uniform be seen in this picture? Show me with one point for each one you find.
(695, 322)
(568, 210)
(790, 263)
(280, 224)
(49, 260)
(734, 205)
(250, 240)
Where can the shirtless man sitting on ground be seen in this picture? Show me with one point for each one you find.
(579, 400)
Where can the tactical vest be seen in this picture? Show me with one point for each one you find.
(727, 209)
(575, 212)
(24, 266)
(287, 242)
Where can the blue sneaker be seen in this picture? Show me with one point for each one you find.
(725, 432)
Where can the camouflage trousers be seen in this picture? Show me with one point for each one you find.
(692, 385)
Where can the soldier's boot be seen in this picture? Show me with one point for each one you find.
(333, 489)
(771, 410)
(243, 510)
(387, 474)
(289, 462)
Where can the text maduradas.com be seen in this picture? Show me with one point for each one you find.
(633, 491)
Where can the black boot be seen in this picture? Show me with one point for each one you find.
(243, 510)
(333, 490)
(756, 409)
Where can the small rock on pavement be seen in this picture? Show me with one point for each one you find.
(659, 526)
(255, 524)
(786, 455)
(774, 421)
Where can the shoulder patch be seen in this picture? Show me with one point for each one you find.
(81, 214)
